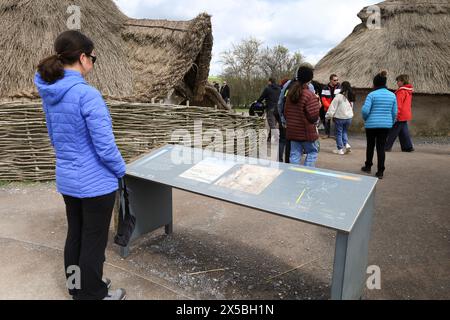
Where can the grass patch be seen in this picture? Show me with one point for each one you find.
(239, 110)
(4, 183)
(215, 79)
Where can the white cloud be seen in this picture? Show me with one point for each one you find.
(310, 26)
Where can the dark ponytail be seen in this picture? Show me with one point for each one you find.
(51, 69)
(295, 91)
(68, 46)
(347, 91)
(304, 75)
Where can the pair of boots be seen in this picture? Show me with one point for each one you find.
(368, 169)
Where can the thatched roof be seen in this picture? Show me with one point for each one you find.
(413, 39)
(139, 60)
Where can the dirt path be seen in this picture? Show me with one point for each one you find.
(410, 241)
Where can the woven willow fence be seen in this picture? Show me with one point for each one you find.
(27, 155)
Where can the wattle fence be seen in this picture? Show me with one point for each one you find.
(27, 155)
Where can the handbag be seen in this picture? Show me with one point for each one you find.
(127, 222)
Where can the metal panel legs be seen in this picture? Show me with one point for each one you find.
(151, 204)
(351, 258)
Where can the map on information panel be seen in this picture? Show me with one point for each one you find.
(208, 170)
(250, 179)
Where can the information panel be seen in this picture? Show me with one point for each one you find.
(322, 197)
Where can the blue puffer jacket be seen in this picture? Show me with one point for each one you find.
(88, 162)
(380, 109)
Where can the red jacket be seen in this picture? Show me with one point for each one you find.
(328, 94)
(302, 116)
(404, 102)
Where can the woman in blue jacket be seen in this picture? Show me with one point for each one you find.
(379, 113)
(88, 162)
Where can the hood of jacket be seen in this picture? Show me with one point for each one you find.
(407, 88)
(53, 93)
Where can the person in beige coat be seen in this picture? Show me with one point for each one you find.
(341, 111)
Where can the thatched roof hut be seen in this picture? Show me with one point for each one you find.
(413, 39)
(139, 60)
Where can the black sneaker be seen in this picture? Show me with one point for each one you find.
(379, 175)
(366, 169)
(409, 150)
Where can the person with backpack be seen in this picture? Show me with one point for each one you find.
(379, 113)
(404, 100)
(270, 96)
(284, 145)
(341, 112)
(88, 162)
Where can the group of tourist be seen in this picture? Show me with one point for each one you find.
(300, 104)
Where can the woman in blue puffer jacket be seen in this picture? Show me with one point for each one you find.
(379, 113)
(88, 162)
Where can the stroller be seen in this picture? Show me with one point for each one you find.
(257, 109)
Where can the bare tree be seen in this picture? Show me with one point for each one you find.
(278, 62)
(247, 67)
(243, 59)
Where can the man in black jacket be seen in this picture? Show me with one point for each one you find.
(270, 95)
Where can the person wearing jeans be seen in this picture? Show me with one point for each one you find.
(306, 147)
(404, 101)
(342, 127)
(341, 110)
(327, 96)
(302, 113)
(88, 162)
(379, 113)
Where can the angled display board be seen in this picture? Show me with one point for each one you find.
(326, 198)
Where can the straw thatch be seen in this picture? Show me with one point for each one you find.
(29, 29)
(413, 39)
(26, 153)
(139, 60)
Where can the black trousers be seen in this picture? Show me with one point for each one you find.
(401, 131)
(284, 152)
(376, 138)
(86, 242)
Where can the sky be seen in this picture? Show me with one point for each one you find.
(312, 27)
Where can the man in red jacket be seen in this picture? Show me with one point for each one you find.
(404, 100)
(327, 96)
